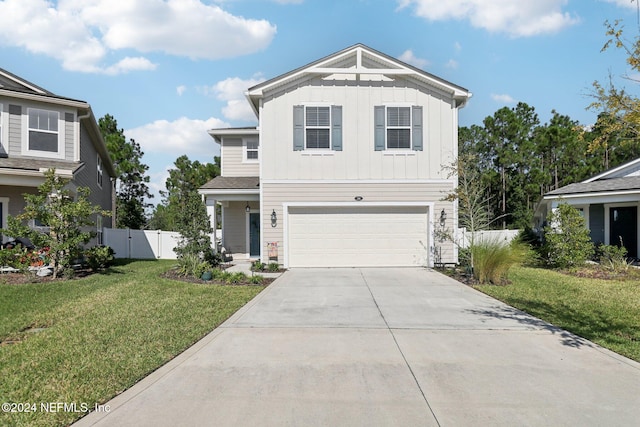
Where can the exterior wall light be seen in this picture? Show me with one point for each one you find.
(358, 198)
(274, 218)
(247, 208)
(443, 218)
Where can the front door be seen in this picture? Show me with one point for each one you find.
(254, 234)
(623, 224)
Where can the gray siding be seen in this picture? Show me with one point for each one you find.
(69, 136)
(15, 195)
(596, 223)
(15, 130)
(87, 176)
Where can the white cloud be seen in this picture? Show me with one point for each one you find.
(517, 18)
(232, 91)
(181, 136)
(180, 90)
(408, 57)
(624, 3)
(503, 98)
(82, 34)
(452, 63)
(130, 64)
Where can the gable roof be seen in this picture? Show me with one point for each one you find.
(628, 184)
(359, 60)
(618, 171)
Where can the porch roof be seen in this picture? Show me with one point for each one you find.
(628, 183)
(24, 167)
(232, 183)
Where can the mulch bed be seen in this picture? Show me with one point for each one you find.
(173, 275)
(31, 277)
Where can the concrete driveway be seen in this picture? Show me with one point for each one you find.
(382, 347)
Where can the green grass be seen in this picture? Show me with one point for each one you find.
(606, 312)
(102, 334)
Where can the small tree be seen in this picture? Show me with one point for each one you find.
(567, 241)
(472, 196)
(194, 228)
(65, 217)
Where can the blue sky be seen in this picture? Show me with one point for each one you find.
(168, 70)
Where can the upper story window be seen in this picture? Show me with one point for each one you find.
(43, 134)
(317, 127)
(99, 173)
(43, 130)
(251, 150)
(398, 128)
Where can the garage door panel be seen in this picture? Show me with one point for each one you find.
(357, 236)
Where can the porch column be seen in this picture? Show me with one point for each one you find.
(211, 211)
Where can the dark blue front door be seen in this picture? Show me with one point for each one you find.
(254, 234)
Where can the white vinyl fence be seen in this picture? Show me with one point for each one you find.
(141, 244)
(505, 236)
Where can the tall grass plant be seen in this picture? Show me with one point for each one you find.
(493, 259)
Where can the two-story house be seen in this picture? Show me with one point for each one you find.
(344, 167)
(39, 131)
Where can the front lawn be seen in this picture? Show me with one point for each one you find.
(606, 312)
(80, 342)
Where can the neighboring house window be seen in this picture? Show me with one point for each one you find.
(99, 170)
(398, 128)
(317, 127)
(251, 149)
(43, 130)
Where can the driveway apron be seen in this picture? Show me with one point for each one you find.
(382, 347)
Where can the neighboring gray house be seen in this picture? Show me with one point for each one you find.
(345, 166)
(609, 203)
(40, 131)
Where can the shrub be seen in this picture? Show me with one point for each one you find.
(613, 257)
(492, 260)
(258, 266)
(190, 265)
(567, 242)
(255, 280)
(274, 267)
(99, 257)
(235, 278)
(16, 257)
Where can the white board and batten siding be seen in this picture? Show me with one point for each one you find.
(358, 160)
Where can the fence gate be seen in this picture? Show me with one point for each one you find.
(141, 244)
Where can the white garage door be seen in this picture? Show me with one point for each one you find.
(357, 236)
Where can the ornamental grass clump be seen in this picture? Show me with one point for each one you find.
(493, 259)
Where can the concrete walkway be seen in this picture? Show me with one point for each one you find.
(382, 347)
